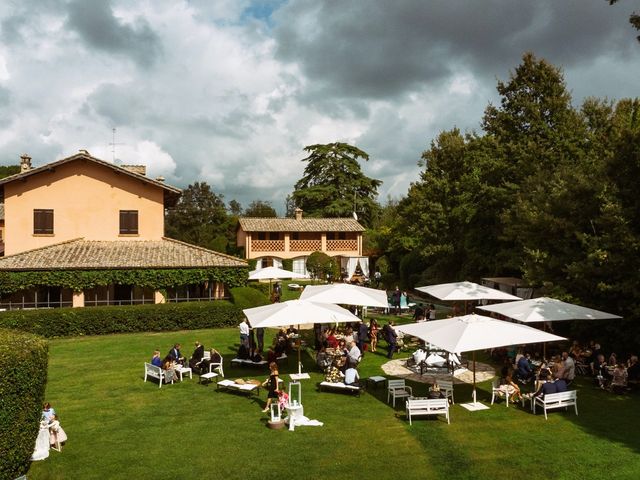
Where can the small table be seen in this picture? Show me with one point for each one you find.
(376, 379)
(208, 376)
(182, 370)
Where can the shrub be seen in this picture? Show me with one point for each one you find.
(287, 264)
(248, 297)
(319, 265)
(23, 363)
(67, 322)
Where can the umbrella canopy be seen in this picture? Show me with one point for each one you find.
(346, 294)
(545, 309)
(465, 291)
(272, 273)
(294, 312)
(475, 332)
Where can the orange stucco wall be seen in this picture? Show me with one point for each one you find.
(86, 199)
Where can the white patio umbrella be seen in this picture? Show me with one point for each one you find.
(346, 294)
(475, 332)
(295, 312)
(545, 309)
(273, 273)
(464, 291)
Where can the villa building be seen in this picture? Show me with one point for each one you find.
(82, 232)
(271, 240)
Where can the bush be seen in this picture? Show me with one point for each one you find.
(248, 297)
(287, 264)
(262, 287)
(69, 322)
(23, 363)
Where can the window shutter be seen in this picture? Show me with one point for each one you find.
(128, 222)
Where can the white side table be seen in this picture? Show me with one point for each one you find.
(182, 370)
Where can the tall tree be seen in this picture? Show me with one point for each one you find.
(259, 208)
(6, 170)
(200, 218)
(333, 184)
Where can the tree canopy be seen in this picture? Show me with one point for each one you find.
(333, 184)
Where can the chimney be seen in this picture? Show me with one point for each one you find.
(139, 169)
(25, 163)
(298, 213)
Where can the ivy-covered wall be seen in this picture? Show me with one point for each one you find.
(157, 279)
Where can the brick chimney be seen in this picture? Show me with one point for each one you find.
(25, 163)
(298, 213)
(139, 169)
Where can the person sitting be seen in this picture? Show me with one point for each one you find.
(322, 359)
(525, 372)
(176, 354)
(348, 336)
(214, 357)
(291, 331)
(633, 369)
(619, 379)
(351, 376)
(353, 355)
(197, 356)
(509, 387)
(546, 387)
(561, 385)
(332, 341)
(613, 360)
(243, 352)
(156, 360)
(169, 366)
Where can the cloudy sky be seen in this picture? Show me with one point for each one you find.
(230, 91)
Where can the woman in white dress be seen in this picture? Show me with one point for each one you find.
(42, 442)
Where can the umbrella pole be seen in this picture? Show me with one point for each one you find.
(474, 376)
(299, 347)
(544, 344)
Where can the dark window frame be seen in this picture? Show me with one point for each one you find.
(129, 222)
(43, 221)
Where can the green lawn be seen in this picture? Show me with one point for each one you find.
(121, 427)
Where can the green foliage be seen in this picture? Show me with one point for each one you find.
(262, 287)
(200, 218)
(333, 180)
(320, 265)
(287, 264)
(69, 322)
(7, 170)
(23, 363)
(247, 297)
(158, 279)
(260, 209)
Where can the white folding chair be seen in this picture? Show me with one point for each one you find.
(398, 389)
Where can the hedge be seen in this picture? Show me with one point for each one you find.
(71, 322)
(248, 297)
(23, 363)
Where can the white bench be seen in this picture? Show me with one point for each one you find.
(340, 386)
(557, 400)
(427, 406)
(155, 372)
(239, 387)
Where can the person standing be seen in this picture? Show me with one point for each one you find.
(244, 333)
(273, 385)
(569, 368)
(395, 300)
(392, 339)
(260, 338)
(373, 334)
(363, 333)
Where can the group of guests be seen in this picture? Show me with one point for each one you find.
(51, 434)
(340, 361)
(175, 359)
(251, 342)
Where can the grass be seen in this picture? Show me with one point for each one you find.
(121, 427)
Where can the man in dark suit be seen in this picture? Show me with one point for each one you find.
(175, 354)
(197, 355)
(392, 338)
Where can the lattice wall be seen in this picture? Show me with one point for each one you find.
(342, 245)
(305, 245)
(267, 245)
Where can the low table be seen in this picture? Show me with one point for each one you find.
(376, 379)
(183, 370)
(245, 387)
(208, 376)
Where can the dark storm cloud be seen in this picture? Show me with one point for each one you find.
(383, 49)
(95, 23)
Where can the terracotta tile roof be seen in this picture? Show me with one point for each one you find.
(301, 225)
(171, 194)
(80, 254)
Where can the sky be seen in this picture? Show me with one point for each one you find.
(229, 92)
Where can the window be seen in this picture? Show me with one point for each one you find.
(42, 222)
(128, 222)
(262, 236)
(295, 236)
(274, 236)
